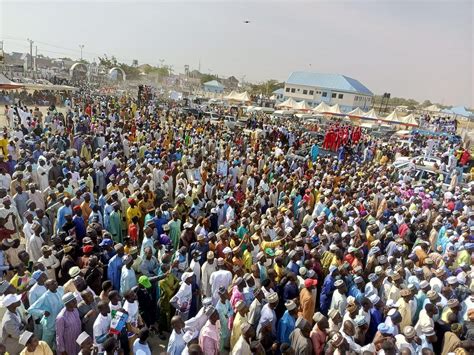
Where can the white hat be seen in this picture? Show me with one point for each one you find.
(272, 297)
(82, 338)
(290, 305)
(8, 300)
(186, 276)
(428, 331)
(24, 337)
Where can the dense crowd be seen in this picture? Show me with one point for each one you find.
(122, 223)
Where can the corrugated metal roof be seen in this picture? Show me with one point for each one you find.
(214, 83)
(328, 81)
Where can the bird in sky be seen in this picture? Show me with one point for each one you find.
(246, 21)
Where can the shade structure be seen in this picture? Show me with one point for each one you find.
(302, 106)
(7, 84)
(394, 117)
(290, 103)
(409, 120)
(433, 108)
(371, 115)
(322, 107)
(230, 96)
(238, 97)
(357, 112)
(335, 109)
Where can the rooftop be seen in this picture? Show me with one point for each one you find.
(328, 81)
(214, 83)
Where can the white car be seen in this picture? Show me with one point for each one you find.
(419, 160)
(210, 117)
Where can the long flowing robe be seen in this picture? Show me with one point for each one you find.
(114, 271)
(239, 320)
(209, 339)
(241, 347)
(115, 226)
(175, 232)
(225, 312)
(128, 280)
(68, 329)
(49, 302)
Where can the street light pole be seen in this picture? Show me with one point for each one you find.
(81, 46)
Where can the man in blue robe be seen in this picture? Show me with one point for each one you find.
(46, 308)
(114, 269)
(327, 290)
(286, 324)
(63, 211)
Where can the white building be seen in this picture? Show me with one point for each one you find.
(332, 89)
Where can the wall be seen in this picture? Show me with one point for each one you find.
(347, 102)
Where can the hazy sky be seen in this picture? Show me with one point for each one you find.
(418, 49)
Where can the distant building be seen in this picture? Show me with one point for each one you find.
(213, 86)
(332, 89)
(279, 94)
(231, 82)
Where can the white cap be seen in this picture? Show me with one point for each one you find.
(81, 338)
(8, 300)
(24, 337)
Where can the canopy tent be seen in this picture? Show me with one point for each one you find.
(394, 117)
(371, 115)
(335, 109)
(461, 111)
(302, 106)
(432, 108)
(7, 84)
(50, 87)
(322, 107)
(409, 120)
(230, 96)
(290, 103)
(236, 96)
(356, 112)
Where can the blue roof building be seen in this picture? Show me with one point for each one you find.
(213, 86)
(332, 89)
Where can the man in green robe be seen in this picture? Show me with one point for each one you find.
(115, 223)
(175, 230)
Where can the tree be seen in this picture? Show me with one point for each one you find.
(207, 77)
(266, 87)
(107, 62)
(426, 103)
(132, 73)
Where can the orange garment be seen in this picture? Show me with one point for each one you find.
(307, 305)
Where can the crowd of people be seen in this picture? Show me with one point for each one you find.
(118, 227)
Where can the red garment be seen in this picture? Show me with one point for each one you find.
(5, 233)
(465, 157)
(133, 232)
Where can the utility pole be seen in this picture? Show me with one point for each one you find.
(81, 46)
(35, 66)
(31, 52)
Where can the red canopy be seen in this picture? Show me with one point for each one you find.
(7, 84)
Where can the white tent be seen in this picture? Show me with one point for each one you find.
(409, 120)
(244, 96)
(236, 96)
(356, 112)
(322, 107)
(394, 117)
(335, 109)
(230, 96)
(7, 84)
(290, 103)
(302, 105)
(371, 115)
(433, 108)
